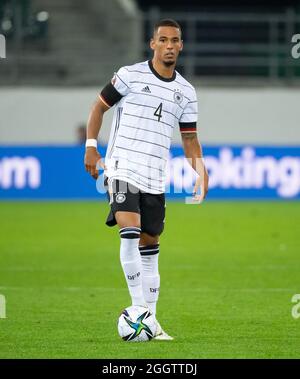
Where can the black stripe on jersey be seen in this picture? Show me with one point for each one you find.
(185, 85)
(187, 126)
(140, 182)
(189, 113)
(141, 152)
(191, 102)
(146, 130)
(122, 80)
(149, 106)
(139, 174)
(119, 111)
(157, 85)
(110, 94)
(141, 72)
(145, 165)
(147, 118)
(141, 140)
(158, 97)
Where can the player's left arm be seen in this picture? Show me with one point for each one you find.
(193, 153)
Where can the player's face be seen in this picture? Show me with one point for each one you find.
(166, 44)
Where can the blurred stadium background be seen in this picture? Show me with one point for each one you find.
(59, 54)
(238, 55)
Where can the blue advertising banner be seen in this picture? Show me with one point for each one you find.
(236, 172)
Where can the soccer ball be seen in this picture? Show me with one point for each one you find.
(136, 324)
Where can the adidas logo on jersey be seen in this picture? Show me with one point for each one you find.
(146, 89)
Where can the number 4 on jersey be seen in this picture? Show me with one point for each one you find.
(158, 112)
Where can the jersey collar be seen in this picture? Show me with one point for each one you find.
(159, 76)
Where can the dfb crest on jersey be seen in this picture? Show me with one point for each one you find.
(178, 96)
(120, 197)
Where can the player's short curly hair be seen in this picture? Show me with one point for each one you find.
(166, 22)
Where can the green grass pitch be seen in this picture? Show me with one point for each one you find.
(228, 273)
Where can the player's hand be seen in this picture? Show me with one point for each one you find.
(202, 184)
(93, 162)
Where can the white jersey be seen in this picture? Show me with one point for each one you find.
(148, 108)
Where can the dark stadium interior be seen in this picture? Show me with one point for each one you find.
(47, 40)
(220, 5)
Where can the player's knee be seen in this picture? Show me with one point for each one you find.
(154, 230)
(128, 219)
(147, 239)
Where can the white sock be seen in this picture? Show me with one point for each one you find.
(150, 278)
(131, 263)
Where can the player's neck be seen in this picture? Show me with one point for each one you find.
(163, 70)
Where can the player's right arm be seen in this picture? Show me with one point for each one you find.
(111, 94)
(92, 156)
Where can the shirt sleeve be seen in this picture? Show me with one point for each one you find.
(117, 88)
(189, 117)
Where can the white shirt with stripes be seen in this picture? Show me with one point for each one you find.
(148, 109)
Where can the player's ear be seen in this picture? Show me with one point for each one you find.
(181, 46)
(152, 43)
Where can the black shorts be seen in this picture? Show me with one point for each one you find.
(128, 198)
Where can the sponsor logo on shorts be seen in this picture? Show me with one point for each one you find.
(120, 198)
